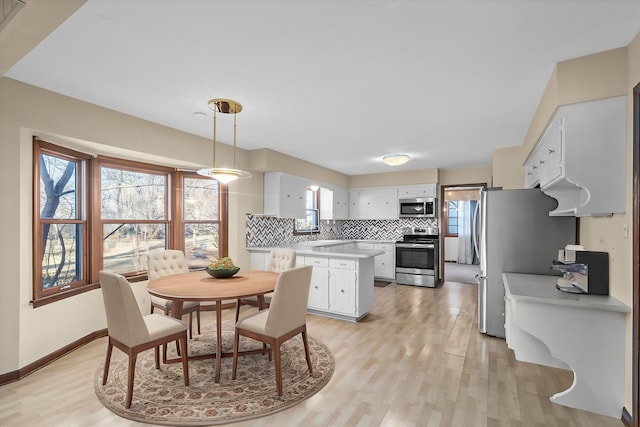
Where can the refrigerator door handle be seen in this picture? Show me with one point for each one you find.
(474, 228)
(478, 277)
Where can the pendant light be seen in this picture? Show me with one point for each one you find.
(224, 175)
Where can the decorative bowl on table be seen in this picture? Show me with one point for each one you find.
(222, 267)
(221, 273)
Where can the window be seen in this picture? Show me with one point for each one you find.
(134, 215)
(452, 218)
(201, 227)
(101, 213)
(60, 226)
(309, 224)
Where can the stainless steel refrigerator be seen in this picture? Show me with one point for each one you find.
(514, 233)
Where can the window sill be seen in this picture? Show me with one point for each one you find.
(63, 295)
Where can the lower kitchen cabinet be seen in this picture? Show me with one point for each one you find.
(341, 288)
(385, 264)
(319, 288)
(342, 291)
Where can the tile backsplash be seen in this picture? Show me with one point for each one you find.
(267, 231)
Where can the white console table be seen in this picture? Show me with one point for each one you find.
(584, 333)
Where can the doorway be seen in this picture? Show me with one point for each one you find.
(459, 255)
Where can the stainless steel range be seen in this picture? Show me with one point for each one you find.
(417, 257)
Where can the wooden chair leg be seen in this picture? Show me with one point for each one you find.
(277, 362)
(236, 342)
(306, 349)
(107, 362)
(190, 327)
(131, 375)
(185, 360)
(156, 354)
(237, 310)
(198, 319)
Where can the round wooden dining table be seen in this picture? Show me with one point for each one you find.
(200, 286)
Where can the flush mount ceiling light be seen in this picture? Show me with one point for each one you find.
(396, 159)
(224, 175)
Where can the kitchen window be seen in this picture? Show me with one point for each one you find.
(93, 213)
(309, 224)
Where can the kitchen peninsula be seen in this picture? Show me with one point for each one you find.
(342, 279)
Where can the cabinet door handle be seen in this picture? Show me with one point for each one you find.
(342, 290)
(541, 162)
(551, 151)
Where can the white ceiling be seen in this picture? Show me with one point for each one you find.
(337, 83)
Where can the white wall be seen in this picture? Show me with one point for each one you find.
(29, 334)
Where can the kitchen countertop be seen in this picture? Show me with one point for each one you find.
(542, 289)
(342, 248)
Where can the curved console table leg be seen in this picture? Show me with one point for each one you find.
(591, 342)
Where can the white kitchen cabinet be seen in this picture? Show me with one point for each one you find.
(580, 158)
(326, 203)
(343, 281)
(319, 288)
(341, 288)
(385, 264)
(367, 204)
(378, 204)
(424, 190)
(532, 170)
(354, 204)
(342, 291)
(387, 204)
(334, 203)
(340, 203)
(284, 195)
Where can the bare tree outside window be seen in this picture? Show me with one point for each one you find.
(93, 213)
(58, 199)
(201, 206)
(134, 216)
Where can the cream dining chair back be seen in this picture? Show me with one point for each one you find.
(285, 318)
(280, 259)
(132, 332)
(167, 262)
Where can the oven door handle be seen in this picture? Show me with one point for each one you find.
(415, 245)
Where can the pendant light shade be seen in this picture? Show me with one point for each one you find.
(224, 175)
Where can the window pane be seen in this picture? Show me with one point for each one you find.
(132, 195)
(58, 195)
(201, 244)
(311, 199)
(201, 199)
(308, 224)
(61, 258)
(126, 245)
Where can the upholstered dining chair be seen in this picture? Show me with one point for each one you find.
(280, 259)
(132, 332)
(285, 318)
(166, 262)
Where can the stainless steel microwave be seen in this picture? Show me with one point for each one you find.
(424, 207)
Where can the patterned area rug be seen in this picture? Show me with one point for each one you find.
(160, 397)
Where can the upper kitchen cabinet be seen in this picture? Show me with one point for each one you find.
(334, 203)
(580, 158)
(284, 195)
(377, 204)
(426, 190)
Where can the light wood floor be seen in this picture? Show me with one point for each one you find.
(416, 360)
